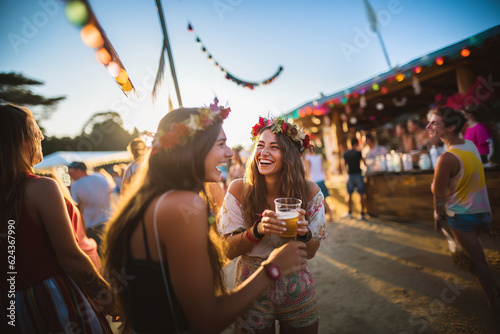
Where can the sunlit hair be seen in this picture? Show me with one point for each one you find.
(182, 168)
(292, 182)
(451, 117)
(236, 156)
(18, 142)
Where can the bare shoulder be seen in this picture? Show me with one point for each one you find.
(181, 205)
(42, 189)
(236, 188)
(313, 189)
(448, 159)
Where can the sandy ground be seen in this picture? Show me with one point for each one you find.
(380, 276)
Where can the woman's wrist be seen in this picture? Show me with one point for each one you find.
(255, 230)
(306, 237)
(252, 238)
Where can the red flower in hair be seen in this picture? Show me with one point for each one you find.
(181, 129)
(284, 127)
(169, 140)
(224, 112)
(293, 131)
(305, 141)
(255, 130)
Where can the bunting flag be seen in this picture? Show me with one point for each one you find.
(229, 76)
(80, 14)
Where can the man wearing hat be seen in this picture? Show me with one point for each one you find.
(91, 193)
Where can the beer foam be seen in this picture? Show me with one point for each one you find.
(288, 215)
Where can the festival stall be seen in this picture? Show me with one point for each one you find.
(466, 72)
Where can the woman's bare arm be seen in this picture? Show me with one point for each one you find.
(184, 237)
(49, 204)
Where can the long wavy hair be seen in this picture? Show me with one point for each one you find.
(17, 136)
(182, 168)
(293, 180)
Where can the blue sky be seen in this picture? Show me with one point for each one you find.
(251, 39)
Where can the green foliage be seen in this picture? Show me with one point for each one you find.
(103, 132)
(14, 88)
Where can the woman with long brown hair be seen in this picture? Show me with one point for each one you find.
(251, 228)
(160, 241)
(43, 269)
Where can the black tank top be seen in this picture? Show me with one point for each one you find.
(151, 309)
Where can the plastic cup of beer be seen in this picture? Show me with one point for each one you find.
(286, 208)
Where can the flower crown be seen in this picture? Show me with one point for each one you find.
(179, 134)
(277, 125)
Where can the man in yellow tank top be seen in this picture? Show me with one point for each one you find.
(461, 197)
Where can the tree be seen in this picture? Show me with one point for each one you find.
(14, 88)
(102, 132)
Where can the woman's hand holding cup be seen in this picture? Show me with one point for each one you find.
(270, 224)
(302, 223)
(290, 258)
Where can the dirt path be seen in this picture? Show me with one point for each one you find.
(386, 277)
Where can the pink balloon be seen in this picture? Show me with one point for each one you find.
(113, 69)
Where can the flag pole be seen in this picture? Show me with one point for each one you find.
(383, 49)
(373, 19)
(166, 45)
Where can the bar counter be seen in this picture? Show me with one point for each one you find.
(408, 196)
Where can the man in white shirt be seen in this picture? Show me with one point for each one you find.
(91, 193)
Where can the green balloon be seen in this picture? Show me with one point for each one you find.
(76, 12)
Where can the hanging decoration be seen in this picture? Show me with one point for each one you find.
(229, 76)
(387, 82)
(401, 102)
(80, 14)
(417, 89)
(362, 101)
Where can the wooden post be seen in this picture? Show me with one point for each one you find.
(465, 78)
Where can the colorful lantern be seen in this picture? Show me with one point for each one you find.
(76, 12)
(417, 69)
(91, 36)
(439, 61)
(400, 77)
(113, 69)
(122, 78)
(103, 56)
(127, 86)
(375, 87)
(465, 53)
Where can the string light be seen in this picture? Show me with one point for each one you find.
(76, 12)
(91, 36)
(465, 53)
(439, 61)
(103, 56)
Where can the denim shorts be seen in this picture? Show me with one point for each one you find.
(355, 181)
(323, 188)
(470, 222)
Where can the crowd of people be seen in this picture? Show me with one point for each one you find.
(156, 261)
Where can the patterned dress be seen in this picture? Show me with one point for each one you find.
(291, 300)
